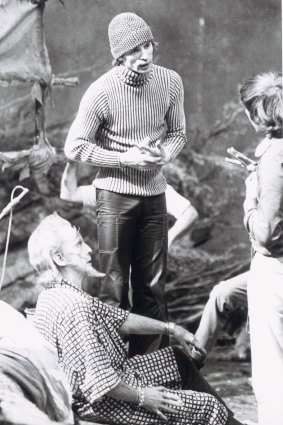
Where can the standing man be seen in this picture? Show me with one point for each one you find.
(119, 126)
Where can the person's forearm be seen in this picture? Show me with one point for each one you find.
(81, 145)
(69, 181)
(175, 138)
(135, 324)
(81, 142)
(174, 143)
(124, 392)
(182, 224)
(141, 325)
(89, 153)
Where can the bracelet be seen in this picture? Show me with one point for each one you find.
(140, 396)
(169, 328)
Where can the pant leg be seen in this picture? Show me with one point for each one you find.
(265, 297)
(225, 298)
(197, 409)
(116, 227)
(194, 381)
(149, 272)
(191, 376)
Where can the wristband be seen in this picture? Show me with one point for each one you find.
(169, 328)
(140, 396)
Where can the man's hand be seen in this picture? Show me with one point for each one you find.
(144, 156)
(156, 399)
(159, 400)
(187, 340)
(136, 158)
(155, 151)
(252, 167)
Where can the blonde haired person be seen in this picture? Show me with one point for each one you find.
(106, 385)
(263, 206)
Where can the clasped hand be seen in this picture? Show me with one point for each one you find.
(144, 156)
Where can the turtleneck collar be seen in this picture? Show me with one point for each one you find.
(132, 78)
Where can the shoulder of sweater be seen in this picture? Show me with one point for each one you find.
(170, 73)
(106, 78)
(101, 83)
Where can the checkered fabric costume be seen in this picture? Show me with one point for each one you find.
(94, 358)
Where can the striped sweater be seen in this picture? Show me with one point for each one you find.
(123, 107)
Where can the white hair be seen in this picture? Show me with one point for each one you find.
(45, 241)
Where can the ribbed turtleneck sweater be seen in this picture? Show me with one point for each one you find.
(119, 109)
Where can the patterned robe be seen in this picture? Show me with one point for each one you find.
(94, 358)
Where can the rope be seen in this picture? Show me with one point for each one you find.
(8, 236)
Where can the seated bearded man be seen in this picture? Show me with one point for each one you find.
(107, 386)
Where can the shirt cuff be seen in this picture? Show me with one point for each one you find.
(94, 386)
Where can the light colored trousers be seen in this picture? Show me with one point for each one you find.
(225, 298)
(265, 300)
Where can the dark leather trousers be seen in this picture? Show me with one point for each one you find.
(132, 238)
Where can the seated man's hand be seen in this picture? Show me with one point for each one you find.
(159, 400)
(187, 340)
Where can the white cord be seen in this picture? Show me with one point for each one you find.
(8, 236)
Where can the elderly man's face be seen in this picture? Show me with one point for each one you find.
(139, 59)
(76, 253)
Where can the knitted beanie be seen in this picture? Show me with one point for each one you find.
(127, 31)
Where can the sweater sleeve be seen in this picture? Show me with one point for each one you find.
(264, 221)
(175, 118)
(81, 144)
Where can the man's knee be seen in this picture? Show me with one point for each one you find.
(223, 296)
